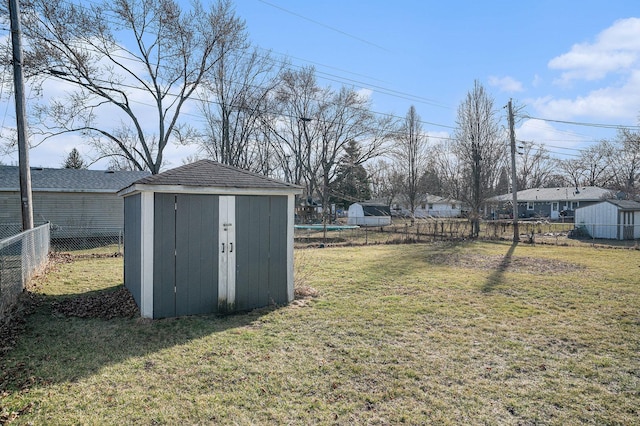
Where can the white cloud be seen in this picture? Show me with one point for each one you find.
(616, 49)
(365, 93)
(545, 133)
(618, 104)
(604, 77)
(506, 84)
(537, 81)
(437, 137)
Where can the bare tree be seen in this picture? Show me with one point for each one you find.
(235, 100)
(534, 166)
(480, 147)
(346, 117)
(450, 170)
(594, 166)
(314, 126)
(295, 109)
(572, 170)
(596, 163)
(411, 155)
(626, 158)
(136, 62)
(385, 181)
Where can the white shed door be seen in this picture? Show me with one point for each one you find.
(227, 254)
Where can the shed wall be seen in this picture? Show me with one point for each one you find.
(132, 246)
(600, 220)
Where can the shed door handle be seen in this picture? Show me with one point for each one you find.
(231, 248)
(223, 247)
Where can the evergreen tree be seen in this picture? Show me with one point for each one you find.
(352, 181)
(74, 161)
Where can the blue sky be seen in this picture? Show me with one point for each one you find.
(563, 60)
(570, 60)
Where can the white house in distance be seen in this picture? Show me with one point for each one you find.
(610, 219)
(431, 206)
(369, 214)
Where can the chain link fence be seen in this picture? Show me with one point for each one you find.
(65, 238)
(21, 256)
(429, 230)
(82, 238)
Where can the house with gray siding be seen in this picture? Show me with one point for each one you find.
(74, 201)
(549, 203)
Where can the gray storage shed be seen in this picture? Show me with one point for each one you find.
(208, 238)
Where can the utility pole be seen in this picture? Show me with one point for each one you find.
(514, 189)
(21, 121)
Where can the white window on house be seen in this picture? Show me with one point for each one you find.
(530, 205)
(430, 206)
(575, 205)
(554, 206)
(453, 206)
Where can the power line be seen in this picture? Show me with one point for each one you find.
(324, 75)
(576, 123)
(324, 25)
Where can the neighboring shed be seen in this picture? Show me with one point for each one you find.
(369, 214)
(206, 238)
(610, 219)
(75, 201)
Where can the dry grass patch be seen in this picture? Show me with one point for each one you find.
(472, 333)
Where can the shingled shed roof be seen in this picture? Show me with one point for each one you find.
(629, 205)
(69, 180)
(210, 174)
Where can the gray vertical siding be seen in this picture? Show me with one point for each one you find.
(252, 262)
(185, 267)
(278, 249)
(261, 258)
(164, 265)
(132, 244)
(196, 254)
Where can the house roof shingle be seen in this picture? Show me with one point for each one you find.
(69, 180)
(583, 193)
(207, 173)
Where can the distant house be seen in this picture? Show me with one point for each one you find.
(74, 201)
(552, 203)
(610, 219)
(431, 206)
(369, 214)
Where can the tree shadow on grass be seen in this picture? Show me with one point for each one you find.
(55, 348)
(497, 276)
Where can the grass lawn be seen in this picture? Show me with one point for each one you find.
(469, 333)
